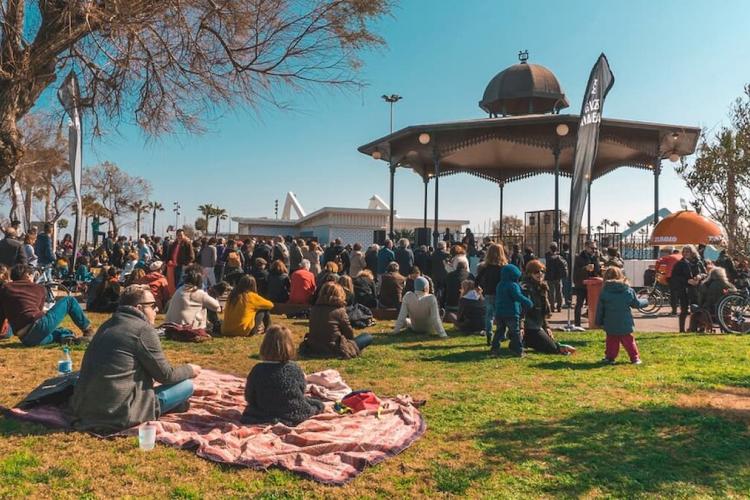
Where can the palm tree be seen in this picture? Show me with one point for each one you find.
(605, 223)
(615, 225)
(207, 211)
(154, 206)
(599, 229)
(220, 214)
(139, 207)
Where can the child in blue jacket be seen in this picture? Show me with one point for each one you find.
(508, 302)
(613, 313)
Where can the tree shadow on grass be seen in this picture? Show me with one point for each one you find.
(434, 347)
(13, 427)
(568, 364)
(461, 356)
(627, 453)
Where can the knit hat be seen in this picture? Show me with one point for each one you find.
(155, 265)
(420, 284)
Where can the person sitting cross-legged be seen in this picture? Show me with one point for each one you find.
(246, 313)
(22, 304)
(419, 311)
(115, 390)
(275, 388)
(331, 333)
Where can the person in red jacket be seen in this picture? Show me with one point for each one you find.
(302, 286)
(158, 284)
(664, 267)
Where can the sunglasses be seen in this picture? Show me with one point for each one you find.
(152, 305)
(541, 271)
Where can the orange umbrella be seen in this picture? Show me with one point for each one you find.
(685, 228)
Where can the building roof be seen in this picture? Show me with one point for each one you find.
(523, 89)
(515, 147)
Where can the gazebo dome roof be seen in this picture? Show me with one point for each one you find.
(523, 89)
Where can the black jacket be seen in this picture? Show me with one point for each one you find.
(11, 252)
(488, 277)
(405, 259)
(453, 287)
(371, 260)
(471, 315)
(422, 261)
(437, 265)
(557, 267)
(364, 292)
(278, 287)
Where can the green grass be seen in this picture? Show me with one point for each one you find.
(497, 428)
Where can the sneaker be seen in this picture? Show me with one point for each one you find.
(637, 362)
(607, 361)
(442, 335)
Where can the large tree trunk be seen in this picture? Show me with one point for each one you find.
(153, 224)
(11, 146)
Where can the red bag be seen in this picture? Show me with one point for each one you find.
(361, 400)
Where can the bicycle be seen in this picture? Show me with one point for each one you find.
(734, 312)
(655, 296)
(51, 285)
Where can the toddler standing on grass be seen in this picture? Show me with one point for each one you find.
(509, 301)
(613, 313)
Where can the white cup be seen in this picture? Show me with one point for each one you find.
(147, 436)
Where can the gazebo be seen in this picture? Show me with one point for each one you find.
(525, 135)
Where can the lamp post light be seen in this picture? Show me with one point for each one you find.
(391, 99)
(561, 130)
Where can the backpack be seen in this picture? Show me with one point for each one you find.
(359, 316)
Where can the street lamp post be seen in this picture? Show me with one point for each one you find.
(391, 99)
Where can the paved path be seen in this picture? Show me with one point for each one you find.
(660, 323)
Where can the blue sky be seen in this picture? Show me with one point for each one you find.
(680, 62)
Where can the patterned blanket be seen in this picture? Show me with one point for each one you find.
(329, 448)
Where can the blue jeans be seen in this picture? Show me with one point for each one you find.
(363, 340)
(489, 314)
(172, 396)
(511, 324)
(45, 330)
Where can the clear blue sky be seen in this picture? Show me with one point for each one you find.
(680, 62)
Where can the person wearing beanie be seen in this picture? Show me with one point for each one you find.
(419, 311)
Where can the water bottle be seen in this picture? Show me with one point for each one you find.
(65, 365)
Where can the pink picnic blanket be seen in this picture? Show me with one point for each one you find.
(329, 448)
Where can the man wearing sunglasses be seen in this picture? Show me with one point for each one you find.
(115, 390)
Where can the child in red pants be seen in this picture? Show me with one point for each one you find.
(613, 313)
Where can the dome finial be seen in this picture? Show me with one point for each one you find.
(523, 56)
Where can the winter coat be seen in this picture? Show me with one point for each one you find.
(364, 292)
(453, 287)
(159, 286)
(684, 270)
(115, 390)
(488, 276)
(385, 257)
(405, 259)
(438, 265)
(508, 295)
(536, 316)
(422, 261)
(557, 267)
(43, 248)
(301, 286)
(331, 334)
(712, 291)
(261, 281)
(471, 311)
(190, 306)
(275, 392)
(391, 289)
(12, 252)
(371, 261)
(356, 262)
(278, 287)
(580, 274)
(613, 310)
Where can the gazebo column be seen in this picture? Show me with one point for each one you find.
(435, 230)
(426, 182)
(588, 209)
(390, 205)
(500, 225)
(657, 172)
(556, 235)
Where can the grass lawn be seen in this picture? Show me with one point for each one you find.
(539, 426)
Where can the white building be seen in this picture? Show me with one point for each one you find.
(325, 224)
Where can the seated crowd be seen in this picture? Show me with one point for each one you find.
(336, 286)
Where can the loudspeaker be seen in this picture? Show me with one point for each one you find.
(422, 235)
(378, 237)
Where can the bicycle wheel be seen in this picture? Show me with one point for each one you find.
(54, 290)
(734, 314)
(653, 300)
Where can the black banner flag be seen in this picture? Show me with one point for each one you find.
(600, 81)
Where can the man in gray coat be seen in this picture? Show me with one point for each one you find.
(115, 390)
